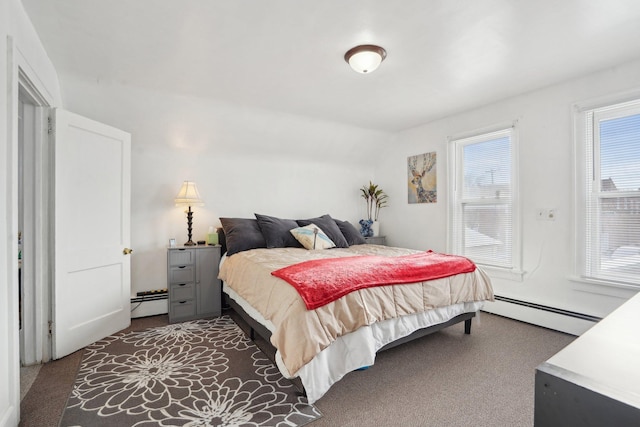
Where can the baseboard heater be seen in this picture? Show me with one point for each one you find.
(549, 309)
(145, 298)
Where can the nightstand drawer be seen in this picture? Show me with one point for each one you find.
(193, 284)
(182, 309)
(182, 257)
(182, 274)
(182, 291)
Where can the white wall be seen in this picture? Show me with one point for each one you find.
(19, 46)
(247, 160)
(9, 411)
(546, 181)
(243, 161)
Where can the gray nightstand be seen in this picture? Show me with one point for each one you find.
(377, 240)
(192, 281)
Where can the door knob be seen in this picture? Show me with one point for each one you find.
(127, 251)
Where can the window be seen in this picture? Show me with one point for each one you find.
(483, 225)
(608, 208)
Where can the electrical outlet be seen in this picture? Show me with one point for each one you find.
(545, 214)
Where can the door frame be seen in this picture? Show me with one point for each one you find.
(20, 74)
(36, 268)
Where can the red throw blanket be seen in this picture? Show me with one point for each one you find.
(321, 281)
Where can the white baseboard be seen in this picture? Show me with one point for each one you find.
(149, 308)
(556, 321)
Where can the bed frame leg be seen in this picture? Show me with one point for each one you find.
(252, 334)
(467, 326)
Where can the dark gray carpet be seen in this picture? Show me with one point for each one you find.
(485, 379)
(445, 379)
(198, 373)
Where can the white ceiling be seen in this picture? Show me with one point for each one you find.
(444, 56)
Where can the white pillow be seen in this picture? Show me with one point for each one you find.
(310, 240)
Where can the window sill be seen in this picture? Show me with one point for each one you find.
(502, 273)
(605, 287)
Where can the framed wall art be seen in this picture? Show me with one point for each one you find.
(422, 178)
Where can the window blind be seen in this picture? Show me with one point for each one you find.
(612, 211)
(483, 214)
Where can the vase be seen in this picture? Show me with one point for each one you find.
(375, 227)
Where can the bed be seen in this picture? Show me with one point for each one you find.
(319, 344)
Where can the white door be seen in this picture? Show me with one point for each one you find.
(91, 289)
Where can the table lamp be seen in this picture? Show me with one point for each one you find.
(189, 196)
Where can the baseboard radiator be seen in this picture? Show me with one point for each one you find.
(558, 319)
(149, 305)
(555, 310)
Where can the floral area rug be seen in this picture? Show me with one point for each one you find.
(198, 373)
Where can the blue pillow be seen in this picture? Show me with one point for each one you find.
(312, 237)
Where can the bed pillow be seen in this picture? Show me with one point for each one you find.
(310, 240)
(276, 231)
(330, 228)
(242, 234)
(350, 233)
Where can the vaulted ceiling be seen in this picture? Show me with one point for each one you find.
(444, 56)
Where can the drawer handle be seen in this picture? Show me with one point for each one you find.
(182, 266)
(182, 284)
(182, 302)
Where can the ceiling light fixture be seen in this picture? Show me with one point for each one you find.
(365, 58)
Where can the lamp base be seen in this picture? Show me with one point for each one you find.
(189, 228)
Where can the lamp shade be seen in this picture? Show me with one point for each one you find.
(365, 58)
(188, 195)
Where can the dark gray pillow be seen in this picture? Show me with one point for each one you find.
(242, 234)
(330, 228)
(276, 231)
(350, 233)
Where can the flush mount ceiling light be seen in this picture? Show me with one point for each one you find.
(365, 58)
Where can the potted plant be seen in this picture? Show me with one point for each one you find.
(376, 199)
